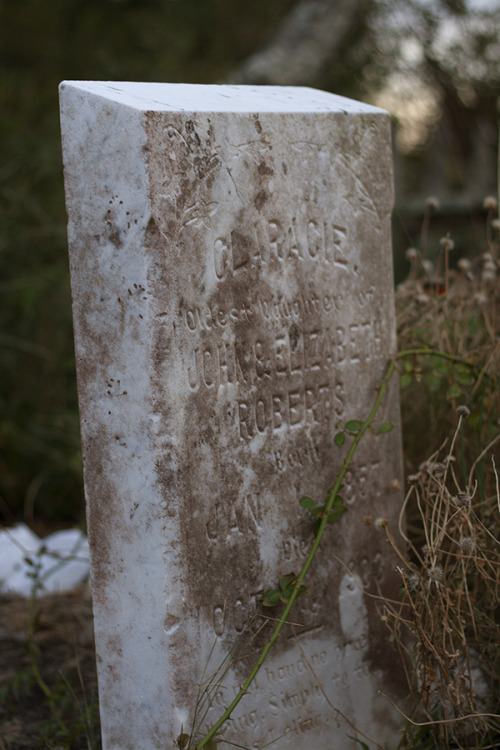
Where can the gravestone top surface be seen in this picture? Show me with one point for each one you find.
(232, 294)
(193, 97)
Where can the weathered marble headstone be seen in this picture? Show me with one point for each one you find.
(232, 291)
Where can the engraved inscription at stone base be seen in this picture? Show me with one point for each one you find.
(232, 293)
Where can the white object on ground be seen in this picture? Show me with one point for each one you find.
(52, 565)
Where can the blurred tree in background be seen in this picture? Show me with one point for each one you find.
(435, 64)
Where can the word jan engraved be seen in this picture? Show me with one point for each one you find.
(275, 241)
(241, 517)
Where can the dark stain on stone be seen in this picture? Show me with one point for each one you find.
(294, 335)
(264, 170)
(260, 199)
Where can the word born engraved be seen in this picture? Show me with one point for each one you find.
(305, 453)
(297, 239)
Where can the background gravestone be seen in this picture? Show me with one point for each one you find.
(233, 303)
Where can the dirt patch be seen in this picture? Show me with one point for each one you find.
(48, 683)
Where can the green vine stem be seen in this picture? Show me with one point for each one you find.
(319, 535)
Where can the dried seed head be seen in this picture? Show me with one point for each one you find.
(422, 299)
(435, 573)
(413, 581)
(381, 523)
(446, 243)
(414, 479)
(488, 277)
(425, 550)
(462, 410)
(480, 298)
(490, 203)
(428, 266)
(463, 500)
(495, 223)
(439, 469)
(464, 265)
(432, 204)
(433, 468)
(467, 545)
(412, 255)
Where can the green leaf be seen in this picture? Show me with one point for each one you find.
(408, 367)
(435, 360)
(405, 380)
(385, 427)
(307, 502)
(271, 598)
(303, 590)
(338, 509)
(454, 391)
(339, 438)
(286, 581)
(335, 514)
(286, 594)
(353, 425)
(464, 376)
(363, 744)
(433, 381)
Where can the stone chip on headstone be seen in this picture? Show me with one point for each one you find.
(233, 305)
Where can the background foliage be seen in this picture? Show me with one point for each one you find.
(445, 47)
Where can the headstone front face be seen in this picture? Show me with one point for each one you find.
(232, 291)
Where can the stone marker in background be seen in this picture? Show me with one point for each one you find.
(232, 292)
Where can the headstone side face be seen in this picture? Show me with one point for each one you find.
(233, 304)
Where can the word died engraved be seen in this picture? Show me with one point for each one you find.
(274, 241)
